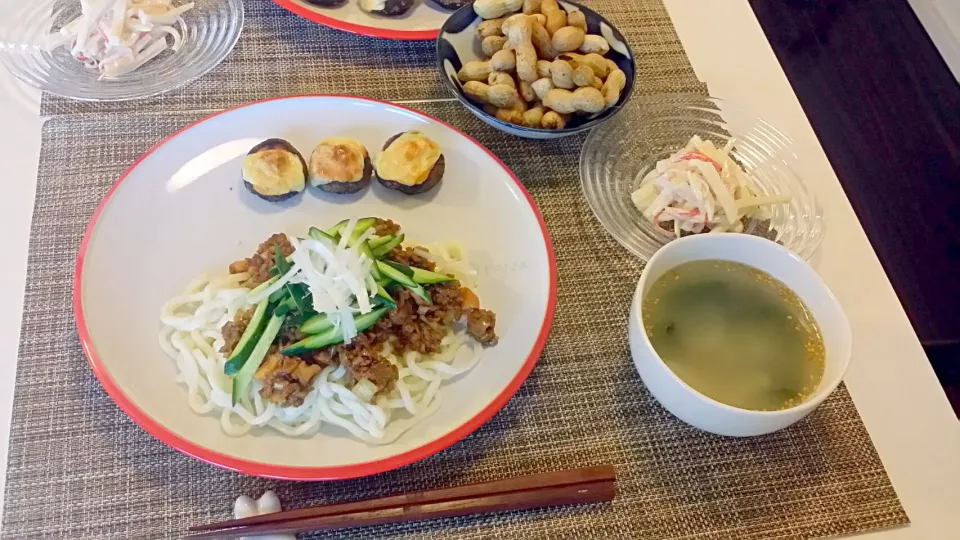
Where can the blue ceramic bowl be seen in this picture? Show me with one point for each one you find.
(458, 43)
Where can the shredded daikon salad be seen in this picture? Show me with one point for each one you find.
(338, 277)
(702, 189)
(116, 37)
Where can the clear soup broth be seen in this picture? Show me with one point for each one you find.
(735, 334)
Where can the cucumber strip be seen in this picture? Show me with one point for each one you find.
(377, 241)
(316, 324)
(317, 234)
(335, 230)
(362, 225)
(266, 284)
(383, 297)
(382, 251)
(422, 293)
(334, 336)
(245, 375)
(247, 341)
(283, 308)
(365, 249)
(396, 274)
(426, 277)
(277, 295)
(404, 276)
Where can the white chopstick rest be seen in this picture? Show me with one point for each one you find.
(268, 503)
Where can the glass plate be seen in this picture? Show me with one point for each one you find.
(212, 29)
(619, 153)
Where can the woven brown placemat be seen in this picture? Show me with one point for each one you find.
(280, 54)
(79, 468)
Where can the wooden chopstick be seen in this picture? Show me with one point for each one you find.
(519, 483)
(577, 486)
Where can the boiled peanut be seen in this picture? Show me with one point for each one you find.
(594, 61)
(534, 117)
(578, 19)
(562, 74)
(553, 120)
(518, 30)
(490, 28)
(526, 92)
(613, 86)
(491, 9)
(594, 44)
(531, 6)
(511, 116)
(542, 86)
(543, 68)
(583, 76)
(611, 65)
(499, 95)
(475, 70)
(501, 77)
(542, 42)
(491, 44)
(556, 17)
(568, 38)
(587, 99)
(503, 61)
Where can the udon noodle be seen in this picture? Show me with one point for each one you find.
(191, 336)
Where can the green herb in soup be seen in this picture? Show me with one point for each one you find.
(735, 334)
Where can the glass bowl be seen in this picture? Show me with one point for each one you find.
(619, 153)
(212, 29)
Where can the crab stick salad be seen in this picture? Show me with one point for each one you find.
(116, 37)
(702, 189)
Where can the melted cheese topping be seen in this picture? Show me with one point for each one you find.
(274, 172)
(373, 5)
(337, 159)
(409, 159)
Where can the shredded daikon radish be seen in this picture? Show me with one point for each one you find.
(338, 278)
(701, 188)
(116, 37)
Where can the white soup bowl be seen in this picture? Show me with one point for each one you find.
(699, 410)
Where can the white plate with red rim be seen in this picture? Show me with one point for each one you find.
(182, 210)
(422, 22)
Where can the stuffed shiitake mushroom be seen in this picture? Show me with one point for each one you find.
(410, 163)
(390, 8)
(452, 4)
(327, 3)
(274, 170)
(340, 165)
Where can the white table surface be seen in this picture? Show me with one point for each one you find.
(893, 386)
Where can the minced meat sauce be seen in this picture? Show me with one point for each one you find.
(385, 227)
(260, 264)
(413, 326)
(286, 379)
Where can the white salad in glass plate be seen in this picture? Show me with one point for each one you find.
(701, 188)
(111, 50)
(673, 165)
(116, 37)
